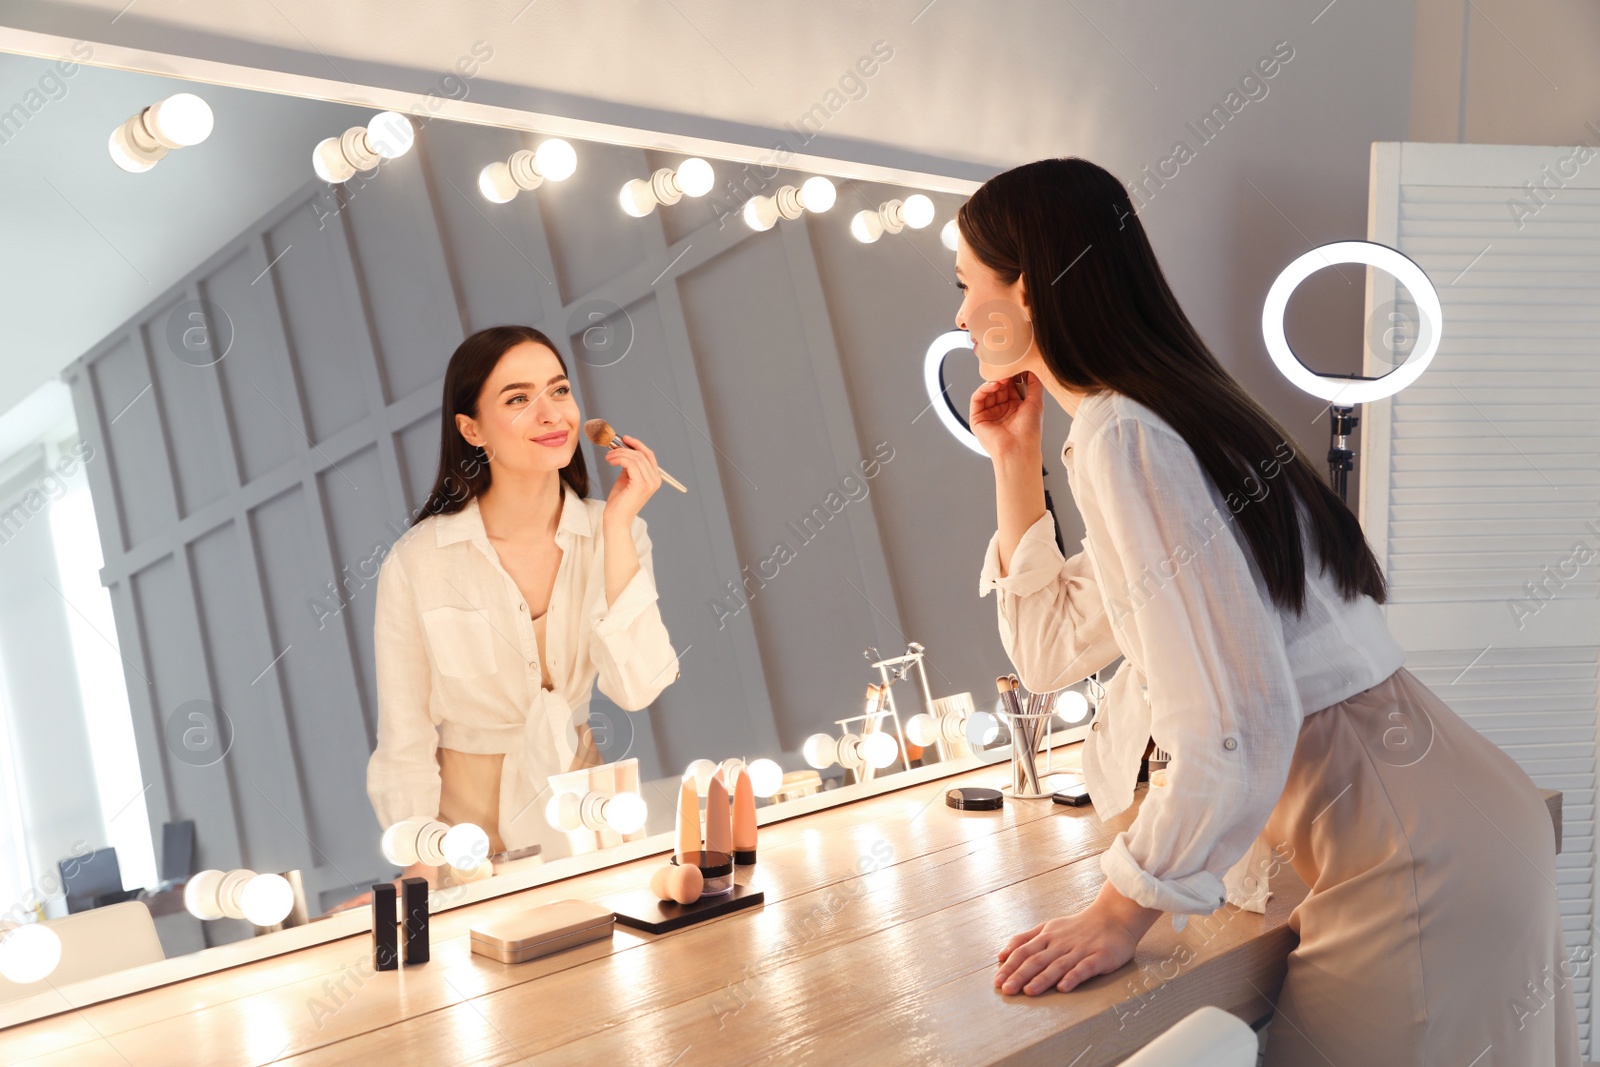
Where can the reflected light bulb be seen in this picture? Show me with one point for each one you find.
(760, 212)
(766, 777)
(982, 728)
(200, 894)
(818, 193)
(465, 846)
(267, 899)
(923, 729)
(390, 134)
(626, 813)
(866, 227)
(701, 771)
(496, 184)
(399, 843)
(124, 156)
(29, 953)
(182, 119)
(564, 811)
(555, 159)
(917, 210)
(327, 159)
(637, 198)
(1072, 706)
(949, 234)
(879, 749)
(695, 176)
(820, 751)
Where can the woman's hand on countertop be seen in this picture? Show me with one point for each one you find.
(636, 482)
(1063, 952)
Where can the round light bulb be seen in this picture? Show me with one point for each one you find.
(917, 210)
(555, 159)
(465, 846)
(267, 899)
(390, 134)
(760, 212)
(923, 729)
(820, 751)
(949, 234)
(200, 894)
(982, 728)
(766, 777)
(701, 771)
(879, 749)
(1072, 706)
(182, 119)
(29, 953)
(564, 811)
(695, 176)
(626, 813)
(818, 193)
(399, 843)
(866, 227)
(327, 159)
(637, 198)
(124, 156)
(496, 184)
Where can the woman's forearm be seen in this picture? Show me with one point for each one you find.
(621, 560)
(1019, 502)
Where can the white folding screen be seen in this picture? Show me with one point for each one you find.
(1481, 482)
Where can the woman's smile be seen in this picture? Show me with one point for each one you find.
(553, 439)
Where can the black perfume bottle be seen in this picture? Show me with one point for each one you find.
(414, 912)
(385, 927)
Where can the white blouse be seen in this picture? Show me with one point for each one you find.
(458, 662)
(1214, 672)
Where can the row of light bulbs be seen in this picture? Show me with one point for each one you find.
(184, 119)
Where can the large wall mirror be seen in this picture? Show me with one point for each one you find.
(220, 407)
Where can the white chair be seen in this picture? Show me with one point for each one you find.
(1210, 1037)
(96, 942)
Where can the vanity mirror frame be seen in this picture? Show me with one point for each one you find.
(56, 1000)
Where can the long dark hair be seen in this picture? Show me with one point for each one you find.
(463, 470)
(1108, 320)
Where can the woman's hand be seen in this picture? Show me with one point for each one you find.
(1008, 425)
(637, 482)
(1063, 952)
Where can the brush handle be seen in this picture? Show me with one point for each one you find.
(616, 442)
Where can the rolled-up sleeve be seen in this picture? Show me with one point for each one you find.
(631, 648)
(1223, 700)
(403, 773)
(1052, 618)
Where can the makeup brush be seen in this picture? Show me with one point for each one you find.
(600, 432)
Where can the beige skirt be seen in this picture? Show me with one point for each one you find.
(1431, 934)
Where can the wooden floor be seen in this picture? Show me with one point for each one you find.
(876, 944)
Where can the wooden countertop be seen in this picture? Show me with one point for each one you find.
(876, 942)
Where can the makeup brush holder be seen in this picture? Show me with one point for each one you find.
(1026, 729)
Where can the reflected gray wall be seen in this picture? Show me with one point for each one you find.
(236, 494)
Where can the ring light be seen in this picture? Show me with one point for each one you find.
(933, 377)
(1357, 390)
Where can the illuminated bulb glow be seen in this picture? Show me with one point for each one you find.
(390, 134)
(181, 120)
(327, 159)
(760, 212)
(766, 777)
(1346, 391)
(917, 210)
(923, 729)
(496, 184)
(982, 728)
(29, 953)
(266, 899)
(465, 846)
(637, 198)
(818, 193)
(200, 894)
(556, 159)
(879, 749)
(695, 176)
(564, 811)
(701, 770)
(626, 812)
(1072, 706)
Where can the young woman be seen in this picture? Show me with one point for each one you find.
(1244, 599)
(507, 599)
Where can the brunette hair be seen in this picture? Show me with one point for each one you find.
(463, 470)
(1104, 317)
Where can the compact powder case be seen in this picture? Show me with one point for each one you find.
(715, 867)
(540, 931)
(975, 798)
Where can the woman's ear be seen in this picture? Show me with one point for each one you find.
(1022, 298)
(469, 430)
